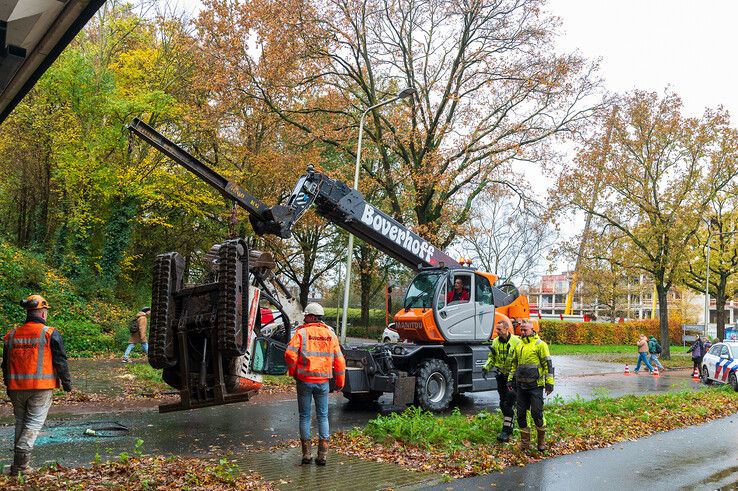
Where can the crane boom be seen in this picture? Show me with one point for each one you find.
(333, 200)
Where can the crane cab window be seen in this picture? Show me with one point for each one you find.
(458, 289)
(483, 291)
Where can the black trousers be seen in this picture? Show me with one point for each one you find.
(530, 399)
(507, 403)
(507, 398)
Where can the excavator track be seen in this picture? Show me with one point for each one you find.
(232, 303)
(167, 279)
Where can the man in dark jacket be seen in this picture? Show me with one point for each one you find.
(698, 351)
(34, 363)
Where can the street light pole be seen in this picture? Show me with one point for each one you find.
(346, 289)
(707, 280)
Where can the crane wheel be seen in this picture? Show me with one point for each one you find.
(232, 300)
(434, 385)
(168, 269)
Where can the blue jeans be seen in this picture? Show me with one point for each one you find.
(643, 358)
(130, 347)
(306, 392)
(654, 359)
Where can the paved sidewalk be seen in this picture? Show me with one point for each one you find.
(699, 457)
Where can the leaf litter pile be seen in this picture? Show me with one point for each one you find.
(141, 473)
(462, 446)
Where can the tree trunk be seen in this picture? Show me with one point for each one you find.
(662, 291)
(365, 282)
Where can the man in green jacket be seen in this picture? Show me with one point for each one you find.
(499, 361)
(531, 371)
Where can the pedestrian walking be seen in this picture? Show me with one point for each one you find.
(313, 357)
(499, 361)
(654, 350)
(34, 363)
(531, 372)
(642, 345)
(707, 344)
(137, 333)
(698, 351)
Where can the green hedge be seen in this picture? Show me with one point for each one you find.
(599, 333)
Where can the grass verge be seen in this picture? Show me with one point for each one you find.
(461, 446)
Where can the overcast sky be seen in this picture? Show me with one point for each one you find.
(650, 44)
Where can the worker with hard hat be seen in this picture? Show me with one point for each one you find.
(34, 363)
(313, 357)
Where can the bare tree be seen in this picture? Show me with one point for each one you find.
(508, 238)
(490, 90)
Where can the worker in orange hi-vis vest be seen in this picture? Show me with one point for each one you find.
(34, 362)
(314, 357)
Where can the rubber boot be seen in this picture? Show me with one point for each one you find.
(541, 433)
(507, 430)
(322, 452)
(524, 439)
(307, 450)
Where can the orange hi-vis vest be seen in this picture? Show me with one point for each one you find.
(29, 364)
(314, 355)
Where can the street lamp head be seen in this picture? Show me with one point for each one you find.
(408, 92)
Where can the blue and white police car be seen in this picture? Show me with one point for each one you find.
(720, 364)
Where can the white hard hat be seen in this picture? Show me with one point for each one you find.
(315, 309)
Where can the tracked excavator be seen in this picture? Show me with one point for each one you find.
(213, 340)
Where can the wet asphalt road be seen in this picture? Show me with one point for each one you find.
(696, 458)
(265, 421)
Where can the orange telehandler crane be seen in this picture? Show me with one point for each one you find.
(444, 352)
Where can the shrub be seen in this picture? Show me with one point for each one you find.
(564, 332)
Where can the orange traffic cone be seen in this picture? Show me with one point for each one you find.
(656, 372)
(627, 370)
(695, 375)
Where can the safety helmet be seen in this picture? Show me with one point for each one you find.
(34, 302)
(314, 308)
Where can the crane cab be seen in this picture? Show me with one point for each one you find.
(456, 306)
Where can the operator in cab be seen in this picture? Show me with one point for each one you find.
(313, 357)
(459, 293)
(531, 372)
(499, 362)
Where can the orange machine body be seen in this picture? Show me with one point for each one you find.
(418, 325)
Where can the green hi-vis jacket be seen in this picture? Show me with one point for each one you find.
(500, 355)
(531, 363)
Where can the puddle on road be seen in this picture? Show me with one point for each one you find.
(724, 479)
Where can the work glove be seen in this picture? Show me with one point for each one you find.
(549, 389)
(510, 387)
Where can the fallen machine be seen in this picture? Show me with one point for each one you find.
(216, 330)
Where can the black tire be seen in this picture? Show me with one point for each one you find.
(363, 397)
(434, 385)
(706, 376)
(168, 269)
(733, 381)
(232, 299)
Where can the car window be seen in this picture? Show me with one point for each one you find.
(715, 350)
(724, 351)
(730, 352)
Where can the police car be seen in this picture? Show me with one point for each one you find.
(720, 364)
